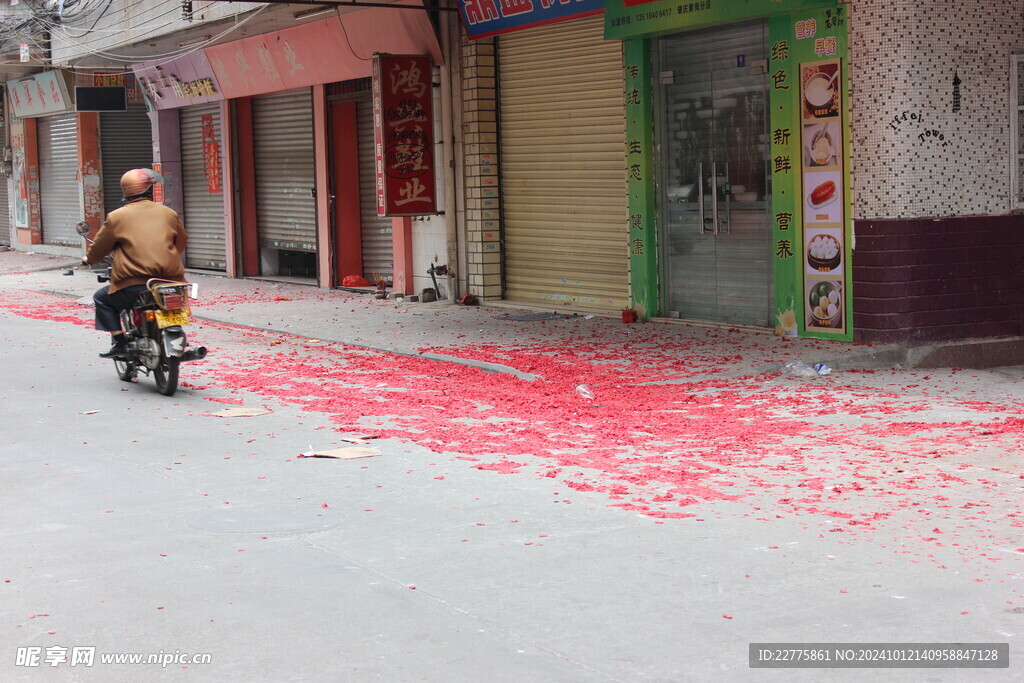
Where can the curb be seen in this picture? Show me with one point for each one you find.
(468, 362)
(971, 353)
(976, 354)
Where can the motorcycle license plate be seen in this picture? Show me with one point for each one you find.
(170, 318)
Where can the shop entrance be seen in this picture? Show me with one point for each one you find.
(285, 182)
(715, 196)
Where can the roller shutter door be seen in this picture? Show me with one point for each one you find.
(126, 142)
(204, 210)
(5, 214)
(59, 190)
(285, 171)
(563, 141)
(378, 251)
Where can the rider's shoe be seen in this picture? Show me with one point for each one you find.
(116, 351)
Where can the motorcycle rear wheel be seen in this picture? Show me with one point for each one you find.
(166, 375)
(126, 369)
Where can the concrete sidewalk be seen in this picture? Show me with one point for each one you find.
(409, 328)
(414, 328)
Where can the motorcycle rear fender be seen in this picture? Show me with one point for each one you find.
(174, 341)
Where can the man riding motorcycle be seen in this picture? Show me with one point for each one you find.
(147, 239)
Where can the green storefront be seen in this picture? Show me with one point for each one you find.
(738, 161)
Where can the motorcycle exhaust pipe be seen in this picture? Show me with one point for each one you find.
(197, 353)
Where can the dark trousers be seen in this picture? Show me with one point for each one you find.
(109, 306)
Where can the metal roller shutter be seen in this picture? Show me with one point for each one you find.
(378, 251)
(285, 171)
(5, 214)
(59, 191)
(126, 142)
(563, 141)
(204, 210)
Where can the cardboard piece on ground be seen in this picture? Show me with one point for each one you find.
(345, 453)
(241, 412)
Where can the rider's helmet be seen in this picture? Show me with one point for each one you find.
(138, 182)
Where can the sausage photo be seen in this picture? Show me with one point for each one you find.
(822, 193)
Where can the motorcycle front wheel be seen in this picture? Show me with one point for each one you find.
(166, 375)
(126, 369)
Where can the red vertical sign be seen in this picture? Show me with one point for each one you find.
(403, 131)
(158, 188)
(211, 155)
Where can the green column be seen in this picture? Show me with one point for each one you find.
(643, 239)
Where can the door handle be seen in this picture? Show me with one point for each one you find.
(726, 191)
(714, 197)
(700, 197)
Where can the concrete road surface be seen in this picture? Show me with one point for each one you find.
(549, 540)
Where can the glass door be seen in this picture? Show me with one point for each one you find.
(714, 190)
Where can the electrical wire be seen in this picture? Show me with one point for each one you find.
(60, 30)
(348, 42)
(91, 28)
(173, 55)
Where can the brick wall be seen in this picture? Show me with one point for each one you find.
(921, 280)
(480, 145)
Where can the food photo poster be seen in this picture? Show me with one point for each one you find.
(823, 162)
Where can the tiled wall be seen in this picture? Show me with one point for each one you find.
(904, 55)
(480, 145)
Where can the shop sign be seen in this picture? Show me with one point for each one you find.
(40, 94)
(403, 128)
(636, 18)
(484, 18)
(182, 82)
(640, 179)
(326, 51)
(158, 188)
(211, 155)
(809, 81)
(117, 79)
(25, 203)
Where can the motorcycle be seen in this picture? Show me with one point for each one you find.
(156, 343)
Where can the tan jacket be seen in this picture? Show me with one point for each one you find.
(147, 240)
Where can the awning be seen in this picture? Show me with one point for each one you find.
(338, 48)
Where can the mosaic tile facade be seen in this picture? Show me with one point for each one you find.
(931, 106)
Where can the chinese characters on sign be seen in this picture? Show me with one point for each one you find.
(484, 18)
(624, 19)
(41, 94)
(157, 86)
(117, 80)
(158, 188)
(211, 155)
(635, 159)
(182, 82)
(810, 206)
(403, 129)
